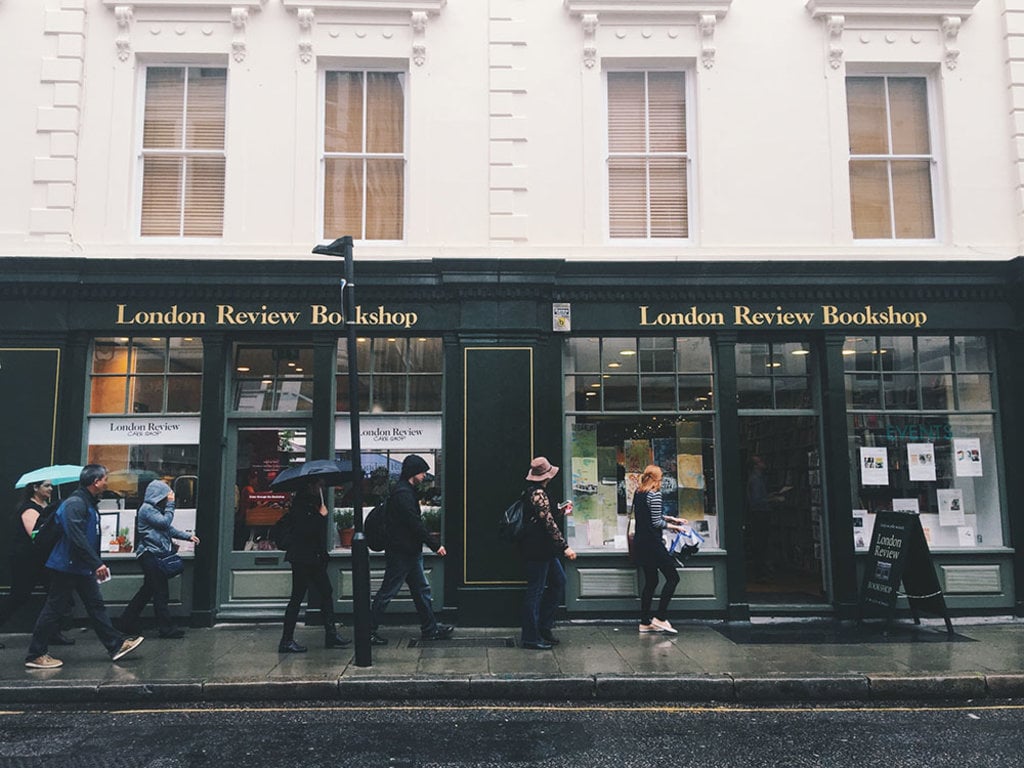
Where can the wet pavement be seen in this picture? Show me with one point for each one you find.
(707, 661)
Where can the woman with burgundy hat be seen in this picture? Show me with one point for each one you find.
(541, 546)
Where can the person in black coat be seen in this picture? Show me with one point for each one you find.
(403, 555)
(542, 546)
(307, 552)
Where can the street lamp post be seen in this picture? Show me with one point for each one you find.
(342, 247)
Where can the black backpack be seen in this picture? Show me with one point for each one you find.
(511, 525)
(375, 526)
(48, 531)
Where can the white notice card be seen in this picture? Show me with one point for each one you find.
(874, 466)
(951, 506)
(967, 457)
(921, 462)
(906, 505)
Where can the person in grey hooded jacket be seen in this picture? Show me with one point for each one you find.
(155, 532)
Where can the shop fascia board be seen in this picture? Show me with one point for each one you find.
(929, 9)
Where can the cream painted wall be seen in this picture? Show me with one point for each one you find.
(505, 123)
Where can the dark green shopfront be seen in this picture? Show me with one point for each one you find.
(856, 388)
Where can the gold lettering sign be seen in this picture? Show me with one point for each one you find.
(743, 316)
(231, 316)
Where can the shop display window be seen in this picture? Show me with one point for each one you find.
(396, 375)
(633, 402)
(922, 431)
(146, 375)
(273, 378)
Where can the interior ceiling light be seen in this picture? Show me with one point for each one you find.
(628, 352)
(243, 369)
(614, 365)
(801, 351)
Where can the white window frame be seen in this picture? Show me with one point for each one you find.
(324, 156)
(689, 78)
(141, 153)
(934, 158)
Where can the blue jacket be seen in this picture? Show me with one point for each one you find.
(153, 521)
(78, 549)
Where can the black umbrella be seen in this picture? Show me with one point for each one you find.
(295, 478)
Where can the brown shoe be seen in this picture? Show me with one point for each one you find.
(129, 645)
(46, 661)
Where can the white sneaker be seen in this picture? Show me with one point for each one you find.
(129, 645)
(648, 628)
(663, 626)
(46, 661)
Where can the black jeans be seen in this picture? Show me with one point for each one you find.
(666, 566)
(62, 585)
(303, 576)
(398, 568)
(154, 587)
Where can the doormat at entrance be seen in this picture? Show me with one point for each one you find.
(836, 634)
(465, 642)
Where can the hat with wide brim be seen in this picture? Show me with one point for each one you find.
(541, 469)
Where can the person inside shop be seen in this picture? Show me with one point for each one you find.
(155, 532)
(650, 554)
(760, 542)
(76, 567)
(542, 547)
(403, 555)
(28, 560)
(305, 543)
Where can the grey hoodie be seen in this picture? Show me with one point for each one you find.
(154, 521)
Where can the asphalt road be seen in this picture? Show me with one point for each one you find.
(507, 735)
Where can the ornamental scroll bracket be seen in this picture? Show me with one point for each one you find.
(707, 39)
(123, 15)
(950, 32)
(239, 19)
(306, 18)
(835, 25)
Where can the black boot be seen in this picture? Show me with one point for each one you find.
(290, 646)
(332, 639)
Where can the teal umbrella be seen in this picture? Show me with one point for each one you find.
(56, 474)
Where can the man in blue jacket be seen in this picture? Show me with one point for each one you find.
(403, 555)
(76, 567)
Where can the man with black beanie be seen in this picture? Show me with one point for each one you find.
(403, 554)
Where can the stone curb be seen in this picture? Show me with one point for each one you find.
(695, 689)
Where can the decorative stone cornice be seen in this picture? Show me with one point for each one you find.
(417, 11)
(946, 15)
(703, 14)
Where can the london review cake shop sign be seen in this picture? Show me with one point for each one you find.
(263, 316)
(741, 315)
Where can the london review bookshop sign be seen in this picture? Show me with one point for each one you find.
(263, 316)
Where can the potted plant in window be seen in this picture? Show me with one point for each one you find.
(344, 519)
(432, 519)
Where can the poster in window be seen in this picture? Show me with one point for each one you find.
(910, 506)
(921, 462)
(874, 466)
(863, 526)
(951, 506)
(967, 457)
(965, 535)
(638, 454)
(108, 532)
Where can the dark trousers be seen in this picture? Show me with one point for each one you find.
(399, 568)
(545, 591)
(27, 571)
(62, 586)
(154, 587)
(665, 566)
(305, 575)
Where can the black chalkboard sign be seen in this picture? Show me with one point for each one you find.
(899, 554)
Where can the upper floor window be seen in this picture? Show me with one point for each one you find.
(183, 152)
(364, 155)
(891, 158)
(146, 375)
(647, 155)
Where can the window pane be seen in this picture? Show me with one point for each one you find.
(207, 91)
(186, 355)
(863, 391)
(933, 353)
(975, 392)
(385, 112)
(184, 394)
(859, 354)
(620, 393)
(107, 395)
(110, 356)
(388, 395)
(792, 392)
(897, 353)
(626, 112)
(164, 115)
(389, 356)
(753, 392)
(696, 393)
(908, 111)
(620, 355)
(161, 196)
(900, 392)
(971, 353)
(658, 393)
(343, 197)
(204, 196)
(586, 392)
(792, 358)
(656, 355)
(912, 199)
(255, 362)
(694, 354)
(866, 113)
(627, 197)
(343, 131)
(342, 398)
(425, 393)
(385, 196)
(869, 199)
(752, 359)
(667, 107)
(425, 355)
(583, 355)
(150, 356)
(668, 197)
(146, 394)
(937, 393)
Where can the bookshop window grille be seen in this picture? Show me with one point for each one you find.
(631, 402)
(146, 375)
(273, 378)
(922, 425)
(396, 375)
(774, 376)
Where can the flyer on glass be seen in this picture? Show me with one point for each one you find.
(921, 462)
(951, 506)
(874, 466)
(906, 505)
(967, 456)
